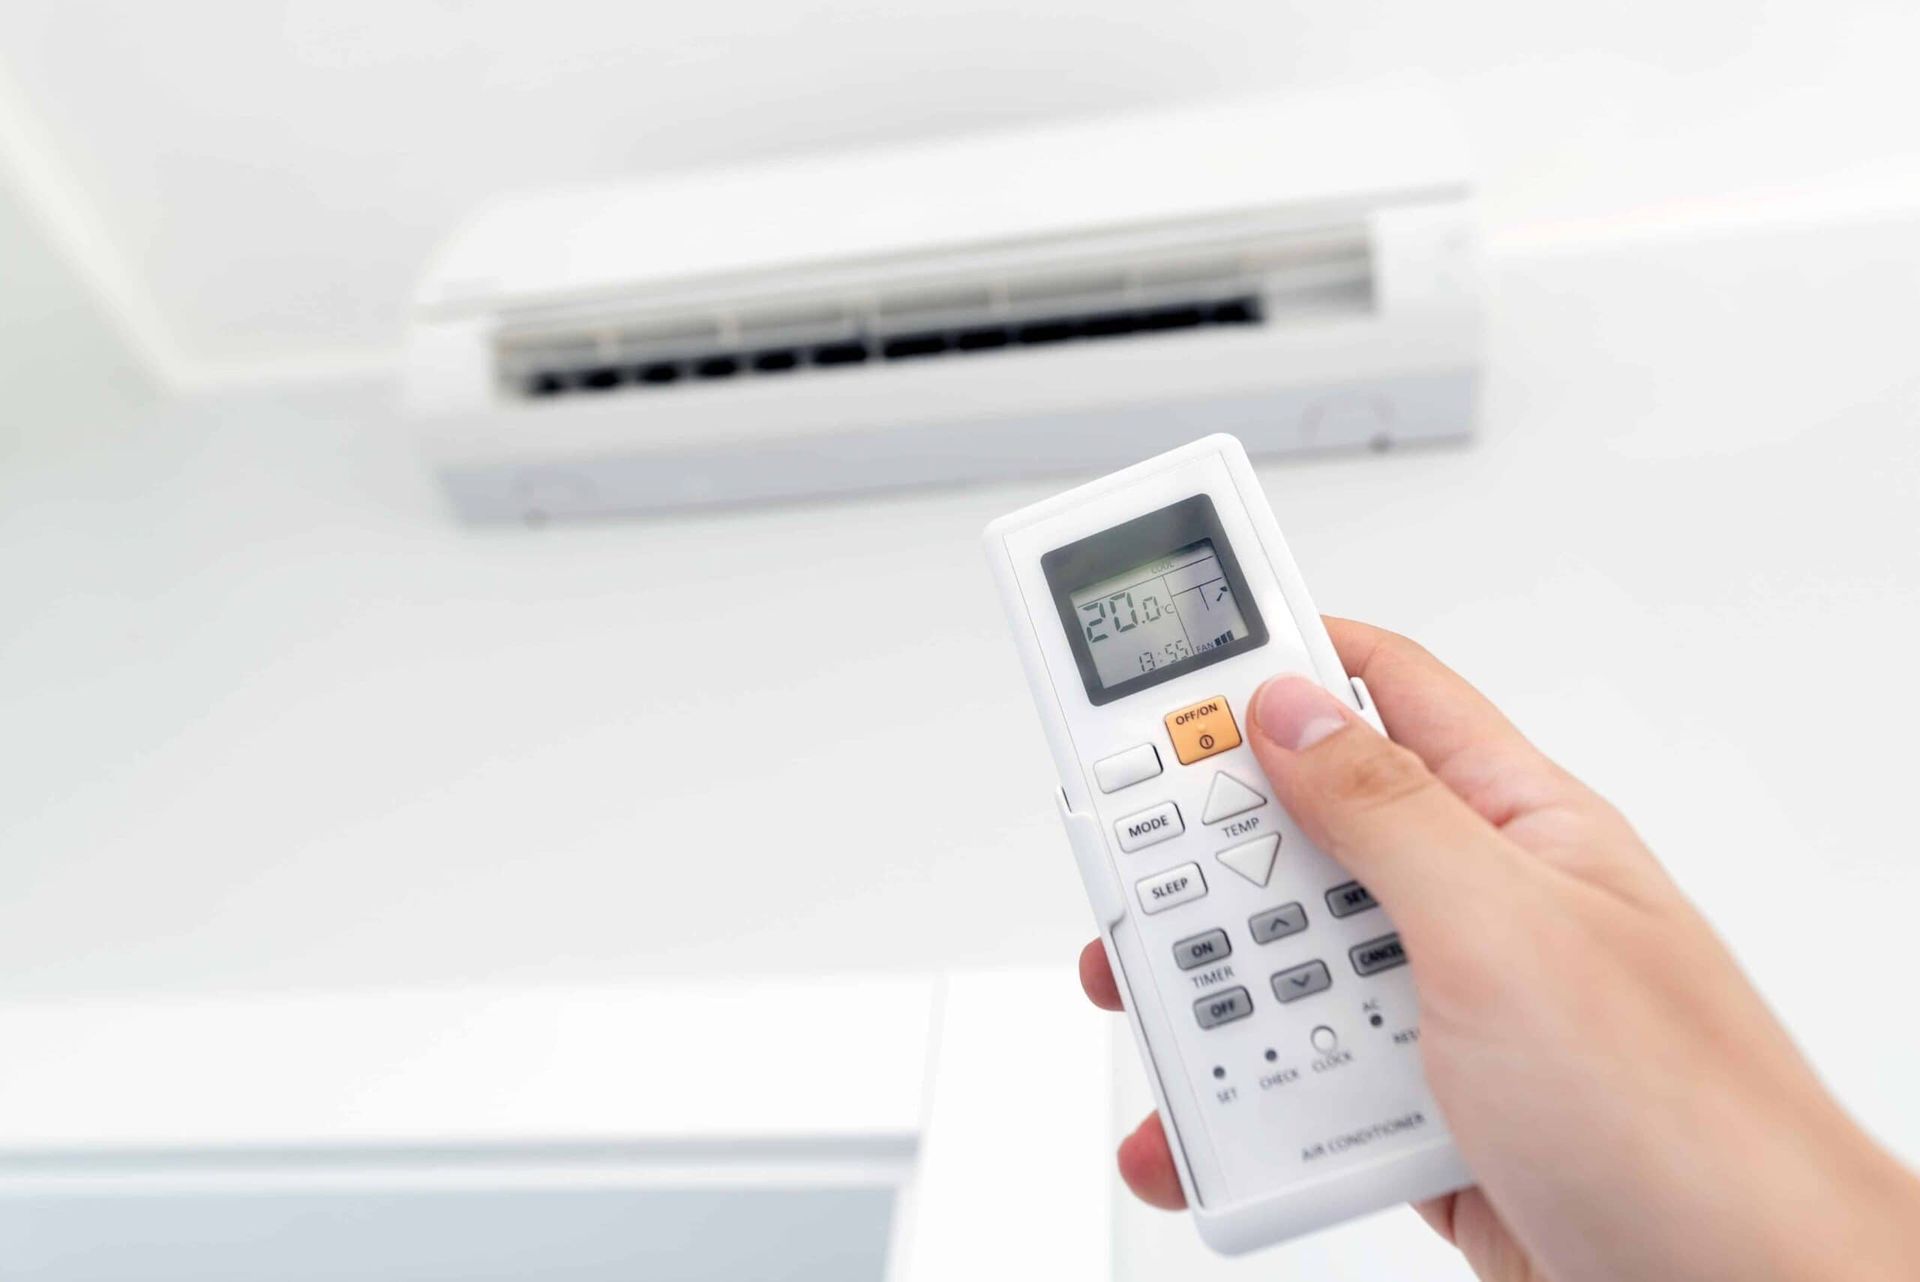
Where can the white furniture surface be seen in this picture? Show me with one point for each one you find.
(270, 720)
(864, 1128)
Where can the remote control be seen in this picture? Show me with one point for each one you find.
(1266, 989)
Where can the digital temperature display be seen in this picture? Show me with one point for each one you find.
(1159, 614)
(1152, 599)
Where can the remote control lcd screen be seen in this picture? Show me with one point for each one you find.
(1158, 615)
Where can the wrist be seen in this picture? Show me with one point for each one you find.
(1867, 1226)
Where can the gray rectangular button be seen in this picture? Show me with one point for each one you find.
(1202, 950)
(1302, 981)
(1377, 955)
(1277, 923)
(1223, 1008)
(1345, 901)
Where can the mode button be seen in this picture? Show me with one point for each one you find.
(1149, 827)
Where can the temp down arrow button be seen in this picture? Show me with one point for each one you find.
(1253, 859)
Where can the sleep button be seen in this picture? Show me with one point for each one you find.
(1170, 888)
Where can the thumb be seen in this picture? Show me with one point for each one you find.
(1376, 808)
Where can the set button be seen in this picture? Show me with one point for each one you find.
(1345, 901)
(1171, 888)
(1223, 1008)
(1200, 731)
(1149, 827)
(1202, 950)
(1124, 769)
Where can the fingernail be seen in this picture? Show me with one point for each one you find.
(1297, 713)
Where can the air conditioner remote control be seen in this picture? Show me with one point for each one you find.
(1266, 989)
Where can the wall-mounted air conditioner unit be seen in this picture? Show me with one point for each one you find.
(1063, 298)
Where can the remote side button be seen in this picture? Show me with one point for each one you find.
(1124, 769)
(1149, 827)
(1345, 901)
(1223, 1008)
(1295, 982)
(1377, 955)
(1252, 859)
(1171, 888)
(1202, 950)
(1203, 729)
(1277, 923)
(1228, 797)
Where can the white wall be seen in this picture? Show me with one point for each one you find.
(266, 179)
(63, 367)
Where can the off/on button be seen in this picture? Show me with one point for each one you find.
(1198, 732)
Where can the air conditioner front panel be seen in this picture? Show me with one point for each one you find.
(1168, 167)
(1302, 274)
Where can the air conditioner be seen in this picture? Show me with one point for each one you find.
(1054, 299)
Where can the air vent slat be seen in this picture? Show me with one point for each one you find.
(551, 377)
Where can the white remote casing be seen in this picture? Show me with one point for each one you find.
(1300, 1113)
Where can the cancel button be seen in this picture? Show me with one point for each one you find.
(1377, 955)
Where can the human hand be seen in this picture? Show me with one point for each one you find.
(1628, 1105)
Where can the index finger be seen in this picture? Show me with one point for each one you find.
(1435, 713)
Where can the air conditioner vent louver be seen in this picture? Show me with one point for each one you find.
(1251, 283)
(554, 377)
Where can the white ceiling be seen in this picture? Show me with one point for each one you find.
(248, 189)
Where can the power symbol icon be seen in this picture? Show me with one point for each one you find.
(1206, 742)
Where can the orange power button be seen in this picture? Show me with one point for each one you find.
(1202, 730)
